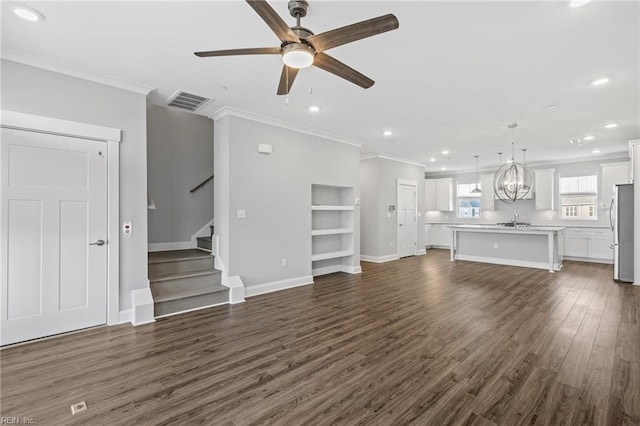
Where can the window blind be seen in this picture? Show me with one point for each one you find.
(579, 185)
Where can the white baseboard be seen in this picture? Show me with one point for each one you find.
(352, 269)
(508, 262)
(180, 245)
(336, 268)
(255, 290)
(381, 259)
(236, 289)
(421, 252)
(190, 310)
(124, 316)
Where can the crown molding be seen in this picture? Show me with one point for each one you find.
(48, 64)
(391, 158)
(235, 112)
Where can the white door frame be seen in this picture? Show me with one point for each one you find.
(113, 137)
(413, 183)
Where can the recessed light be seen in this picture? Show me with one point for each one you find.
(595, 151)
(387, 133)
(28, 14)
(552, 106)
(574, 141)
(588, 138)
(579, 3)
(443, 168)
(600, 81)
(445, 152)
(611, 126)
(433, 160)
(314, 108)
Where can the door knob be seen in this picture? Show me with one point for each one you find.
(97, 243)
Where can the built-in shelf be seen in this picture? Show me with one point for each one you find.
(331, 208)
(334, 231)
(331, 255)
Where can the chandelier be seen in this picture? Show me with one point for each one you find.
(512, 181)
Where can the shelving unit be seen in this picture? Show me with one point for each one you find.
(332, 229)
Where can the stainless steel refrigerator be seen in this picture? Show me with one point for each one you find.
(621, 218)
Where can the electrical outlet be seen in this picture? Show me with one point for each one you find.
(284, 262)
(79, 407)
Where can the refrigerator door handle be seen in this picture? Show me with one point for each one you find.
(611, 212)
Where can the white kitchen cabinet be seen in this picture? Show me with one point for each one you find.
(612, 174)
(438, 235)
(589, 244)
(487, 199)
(544, 185)
(439, 194)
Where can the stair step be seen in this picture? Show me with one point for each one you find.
(204, 243)
(168, 284)
(179, 261)
(190, 302)
(181, 293)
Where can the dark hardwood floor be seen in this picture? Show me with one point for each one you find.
(421, 340)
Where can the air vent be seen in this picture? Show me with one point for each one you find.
(188, 101)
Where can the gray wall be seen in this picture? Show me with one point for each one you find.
(369, 207)
(526, 208)
(40, 92)
(275, 191)
(380, 179)
(179, 157)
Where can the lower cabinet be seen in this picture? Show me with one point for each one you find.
(589, 243)
(437, 235)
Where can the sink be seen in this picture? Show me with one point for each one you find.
(511, 224)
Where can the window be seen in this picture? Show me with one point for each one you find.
(468, 202)
(579, 197)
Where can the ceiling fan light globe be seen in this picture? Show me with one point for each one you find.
(297, 56)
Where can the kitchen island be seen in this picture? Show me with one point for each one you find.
(528, 246)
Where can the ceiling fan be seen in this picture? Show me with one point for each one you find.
(301, 48)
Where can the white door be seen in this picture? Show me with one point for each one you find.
(407, 231)
(54, 206)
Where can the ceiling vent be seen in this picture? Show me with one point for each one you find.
(188, 101)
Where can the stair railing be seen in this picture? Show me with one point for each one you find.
(201, 184)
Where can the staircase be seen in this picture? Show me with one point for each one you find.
(205, 243)
(183, 280)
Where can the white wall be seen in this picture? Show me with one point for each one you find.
(275, 192)
(179, 157)
(379, 179)
(504, 212)
(40, 92)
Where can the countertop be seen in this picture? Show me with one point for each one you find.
(517, 229)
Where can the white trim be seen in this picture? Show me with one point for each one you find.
(236, 289)
(202, 232)
(421, 252)
(142, 306)
(258, 289)
(380, 259)
(508, 262)
(391, 158)
(588, 259)
(30, 122)
(47, 64)
(179, 245)
(235, 112)
(36, 123)
(348, 269)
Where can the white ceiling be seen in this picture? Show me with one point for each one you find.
(451, 77)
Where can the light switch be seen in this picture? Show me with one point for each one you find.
(242, 214)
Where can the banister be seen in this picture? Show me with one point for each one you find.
(201, 184)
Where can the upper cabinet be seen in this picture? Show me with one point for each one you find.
(439, 194)
(612, 174)
(544, 186)
(487, 199)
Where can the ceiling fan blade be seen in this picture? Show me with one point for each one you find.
(232, 52)
(274, 21)
(334, 66)
(286, 79)
(353, 32)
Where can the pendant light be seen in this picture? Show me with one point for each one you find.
(476, 190)
(512, 181)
